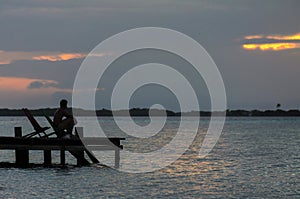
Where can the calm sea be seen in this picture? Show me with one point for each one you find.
(254, 157)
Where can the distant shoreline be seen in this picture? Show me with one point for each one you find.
(144, 112)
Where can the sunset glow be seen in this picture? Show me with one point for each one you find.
(271, 46)
(18, 84)
(29, 90)
(277, 37)
(4, 62)
(254, 37)
(7, 57)
(60, 57)
(285, 42)
(288, 37)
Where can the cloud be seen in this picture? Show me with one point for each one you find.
(271, 46)
(7, 57)
(27, 86)
(285, 37)
(42, 84)
(23, 84)
(60, 57)
(271, 42)
(68, 56)
(253, 37)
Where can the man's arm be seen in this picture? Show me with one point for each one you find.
(67, 115)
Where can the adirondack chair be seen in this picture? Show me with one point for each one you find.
(38, 130)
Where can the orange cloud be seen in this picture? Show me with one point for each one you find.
(254, 37)
(7, 57)
(60, 57)
(287, 37)
(276, 37)
(19, 84)
(271, 46)
(284, 42)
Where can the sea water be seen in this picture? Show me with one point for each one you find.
(254, 157)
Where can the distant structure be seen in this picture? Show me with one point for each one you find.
(278, 106)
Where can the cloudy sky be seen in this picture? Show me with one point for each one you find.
(255, 44)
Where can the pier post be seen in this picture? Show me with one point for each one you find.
(47, 158)
(22, 156)
(79, 134)
(62, 157)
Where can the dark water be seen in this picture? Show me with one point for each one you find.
(254, 157)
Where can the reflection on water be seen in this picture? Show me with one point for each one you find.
(255, 157)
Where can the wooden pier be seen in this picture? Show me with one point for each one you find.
(75, 146)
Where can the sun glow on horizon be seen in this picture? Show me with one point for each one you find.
(21, 91)
(13, 89)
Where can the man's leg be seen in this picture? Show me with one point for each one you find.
(68, 125)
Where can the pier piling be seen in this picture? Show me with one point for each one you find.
(47, 158)
(79, 134)
(62, 157)
(22, 156)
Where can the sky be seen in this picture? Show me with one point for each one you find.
(254, 43)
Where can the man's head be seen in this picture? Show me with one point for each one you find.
(63, 103)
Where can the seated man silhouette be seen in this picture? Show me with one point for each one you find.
(63, 121)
